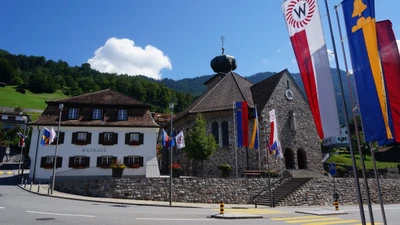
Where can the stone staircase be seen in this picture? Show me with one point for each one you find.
(294, 180)
(281, 192)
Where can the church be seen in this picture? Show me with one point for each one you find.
(300, 144)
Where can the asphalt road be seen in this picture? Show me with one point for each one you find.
(19, 207)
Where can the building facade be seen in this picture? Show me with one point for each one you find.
(96, 130)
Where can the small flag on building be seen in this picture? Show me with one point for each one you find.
(180, 140)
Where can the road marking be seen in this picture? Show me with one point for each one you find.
(59, 214)
(332, 222)
(1, 207)
(8, 172)
(313, 220)
(296, 217)
(169, 219)
(252, 211)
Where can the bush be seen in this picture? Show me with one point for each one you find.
(273, 173)
(225, 166)
(341, 171)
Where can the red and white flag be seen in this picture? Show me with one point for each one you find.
(305, 30)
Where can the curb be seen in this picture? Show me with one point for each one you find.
(235, 216)
(105, 202)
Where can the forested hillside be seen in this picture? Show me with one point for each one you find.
(39, 75)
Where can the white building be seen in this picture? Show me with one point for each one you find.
(96, 129)
(337, 141)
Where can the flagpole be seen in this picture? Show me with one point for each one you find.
(171, 107)
(258, 139)
(22, 147)
(356, 181)
(235, 131)
(378, 184)
(356, 124)
(61, 106)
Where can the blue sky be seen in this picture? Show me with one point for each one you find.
(173, 39)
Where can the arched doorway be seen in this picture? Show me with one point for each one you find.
(302, 159)
(289, 158)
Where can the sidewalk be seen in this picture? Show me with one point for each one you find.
(232, 211)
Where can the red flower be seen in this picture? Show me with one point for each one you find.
(175, 166)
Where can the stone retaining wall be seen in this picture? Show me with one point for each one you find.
(232, 191)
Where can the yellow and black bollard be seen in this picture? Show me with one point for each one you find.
(221, 207)
(336, 204)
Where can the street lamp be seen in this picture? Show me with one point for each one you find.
(171, 107)
(8, 149)
(61, 106)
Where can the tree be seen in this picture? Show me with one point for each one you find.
(199, 144)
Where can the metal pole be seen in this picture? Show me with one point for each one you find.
(36, 153)
(171, 107)
(235, 130)
(258, 139)
(22, 147)
(353, 159)
(61, 106)
(379, 186)
(269, 181)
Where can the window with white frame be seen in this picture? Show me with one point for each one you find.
(122, 115)
(49, 159)
(106, 160)
(81, 136)
(108, 137)
(134, 137)
(73, 113)
(97, 114)
(79, 160)
(133, 160)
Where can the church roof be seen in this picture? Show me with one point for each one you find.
(263, 90)
(221, 96)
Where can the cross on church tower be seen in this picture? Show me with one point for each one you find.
(222, 41)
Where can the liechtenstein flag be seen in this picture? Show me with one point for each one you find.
(372, 97)
(242, 124)
(273, 135)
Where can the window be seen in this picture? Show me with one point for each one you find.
(215, 131)
(225, 134)
(73, 113)
(97, 114)
(133, 161)
(134, 138)
(81, 138)
(108, 138)
(79, 162)
(105, 161)
(122, 114)
(49, 159)
(61, 139)
(47, 162)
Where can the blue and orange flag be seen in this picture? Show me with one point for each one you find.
(361, 33)
(45, 137)
(242, 124)
(255, 135)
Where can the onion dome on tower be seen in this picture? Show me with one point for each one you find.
(223, 63)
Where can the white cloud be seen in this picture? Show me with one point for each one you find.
(331, 55)
(265, 61)
(398, 44)
(294, 61)
(279, 50)
(121, 56)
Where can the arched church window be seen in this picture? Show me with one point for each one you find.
(225, 133)
(215, 131)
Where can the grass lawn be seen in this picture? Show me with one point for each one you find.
(9, 97)
(345, 159)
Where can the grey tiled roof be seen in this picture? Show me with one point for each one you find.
(263, 90)
(105, 97)
(109, 101)
(221, 96)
